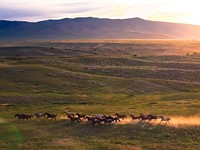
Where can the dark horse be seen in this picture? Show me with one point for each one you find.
(114, 119)
(144, 117)
(81, 116)
(152, 117)
(94, 120)
(23, 116)
(135, 117)
(120, 116)
(52, 116)
(72, 119)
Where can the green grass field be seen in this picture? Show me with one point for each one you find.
(99, 77)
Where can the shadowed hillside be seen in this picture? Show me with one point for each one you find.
(95, 28)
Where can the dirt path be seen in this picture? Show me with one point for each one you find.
(176, 122)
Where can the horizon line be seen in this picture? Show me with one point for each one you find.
(51, 19)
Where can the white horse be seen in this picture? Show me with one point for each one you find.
(38, 115)
(98, 116)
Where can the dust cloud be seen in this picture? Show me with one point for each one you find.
(176, 121)
(62, 117)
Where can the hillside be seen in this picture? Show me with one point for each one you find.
(96, 28)
(99, 73)
(127, 77)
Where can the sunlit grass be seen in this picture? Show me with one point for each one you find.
(150, 77)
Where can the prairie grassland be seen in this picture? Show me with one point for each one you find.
(100, 77)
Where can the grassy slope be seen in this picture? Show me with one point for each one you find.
(103, 83)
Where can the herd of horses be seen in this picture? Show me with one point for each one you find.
(37, 115)
(96, 119)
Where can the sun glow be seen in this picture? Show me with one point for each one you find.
(179, 11)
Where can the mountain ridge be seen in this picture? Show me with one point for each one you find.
(96, 28)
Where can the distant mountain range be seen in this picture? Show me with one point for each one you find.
(96, 28)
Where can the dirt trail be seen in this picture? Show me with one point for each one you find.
(174, 122)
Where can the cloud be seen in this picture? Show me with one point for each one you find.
(6, 13)
(40, 10)
(169, 16)
(36, 10)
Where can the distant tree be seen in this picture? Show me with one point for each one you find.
(135, 55)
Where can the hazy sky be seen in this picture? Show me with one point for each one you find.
(183, 11)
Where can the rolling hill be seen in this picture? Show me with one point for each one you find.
(96, 28)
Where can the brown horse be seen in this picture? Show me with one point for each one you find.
(81, 116)
(94, 120)
(107, 121)
(72, 119)
(120, 116)
(114, 119)
(144, 117)
(70, 114)
(52, 116)
(135, 117)
(23, 116)
(152, 117)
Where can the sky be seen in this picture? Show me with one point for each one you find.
(180, 11)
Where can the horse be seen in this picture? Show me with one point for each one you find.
(70, 114)
(107, 121)
(114, 119)
(135, 117)
(30, 116)
(81, 116)
(163, 118)
(23, 116)
(52, 116)
(120, 116)
(98, 116)
(38, 115)
(144, 117)
(72, 119)
(94, 120)
(151, 117)
(90, 118)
